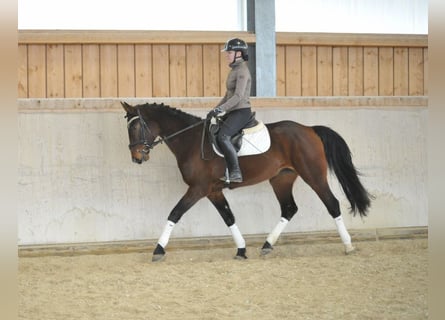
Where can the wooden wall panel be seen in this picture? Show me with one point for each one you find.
(292, 69)
(55, 76)
(108, 70)
(416, 71)
(211, 70)
(401, 71)
(425, 71)
(178, 73)
(324, 71)
(162, 64)
(355, 71)
(340, 71)
(386, 71)
(371, 71)
(224, 70)
(22, 71)
(143, 70)
(73, 70)
(281, 70)
(126, 70)
(91, 71)
(161, 73)
(195, 81)
(309, 71)
(37, 71)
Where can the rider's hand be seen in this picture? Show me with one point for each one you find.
(214, 112)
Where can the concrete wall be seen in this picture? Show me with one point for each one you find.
(77, 182)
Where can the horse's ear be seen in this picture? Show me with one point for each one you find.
(126, 106)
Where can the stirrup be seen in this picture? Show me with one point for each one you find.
(228, 179)
(237, 178)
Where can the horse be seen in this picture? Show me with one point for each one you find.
(295, 151)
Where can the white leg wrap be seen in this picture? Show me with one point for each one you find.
(237, 236)
(344, 235)
(165, 236)
(273, 236)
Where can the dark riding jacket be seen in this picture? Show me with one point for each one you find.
(238, 86)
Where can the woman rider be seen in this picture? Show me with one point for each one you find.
(235, 104)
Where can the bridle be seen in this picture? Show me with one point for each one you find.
(144, 129)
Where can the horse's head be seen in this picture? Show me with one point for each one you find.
(141, 133)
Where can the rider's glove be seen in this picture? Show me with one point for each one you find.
(214, 112)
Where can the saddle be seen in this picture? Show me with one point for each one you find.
(252, 139)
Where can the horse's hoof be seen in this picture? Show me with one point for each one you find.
(158, 253)
(349, 249)
(266, 249)
(157, 257)
(240, 254)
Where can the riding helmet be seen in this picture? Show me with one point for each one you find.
(236, 44)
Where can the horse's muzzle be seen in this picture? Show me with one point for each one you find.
(140, 155)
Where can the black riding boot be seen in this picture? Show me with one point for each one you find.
(231, 159)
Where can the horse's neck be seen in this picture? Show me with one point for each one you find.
(171, 125)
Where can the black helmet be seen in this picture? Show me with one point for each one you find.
(236, 44)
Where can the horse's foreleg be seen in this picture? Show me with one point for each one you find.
(221, 204)
(282, 187)
(186, 202)
(159, 251)
(239, 241)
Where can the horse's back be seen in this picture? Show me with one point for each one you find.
(289, 127)
(299, 139)
(285, 123)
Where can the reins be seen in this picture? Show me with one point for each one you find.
(148, 146)
(144, 127)
(161, 140)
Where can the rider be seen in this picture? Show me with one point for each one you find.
(235, 103)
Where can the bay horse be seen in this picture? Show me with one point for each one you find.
(296, 150)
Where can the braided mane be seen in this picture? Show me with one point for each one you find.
(189, 118)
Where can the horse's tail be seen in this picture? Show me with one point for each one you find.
(338, 156)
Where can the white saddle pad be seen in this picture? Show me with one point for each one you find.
(256, 140)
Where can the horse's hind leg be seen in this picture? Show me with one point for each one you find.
(321, 188)
(282, 187)
(221, 204)
(333, 206)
